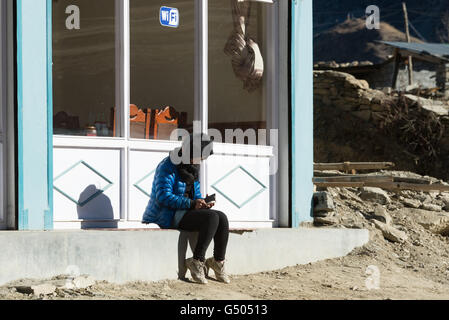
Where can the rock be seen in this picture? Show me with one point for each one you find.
(431, 207)
(445, 199)
(326, 220)
(381, 215)
(377, 107)
(387, 90)
(37, 290)
(427, 104)
(366, 63)
(365, 115)
(435, 222)
(411, 203)
(24, 289)
(83, 282)
(374, 194)
(390, 233)
(43, 289)
(323, 204)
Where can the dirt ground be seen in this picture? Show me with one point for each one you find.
(417, 268)
(342, 278)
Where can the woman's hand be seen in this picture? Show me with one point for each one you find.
(200, 204)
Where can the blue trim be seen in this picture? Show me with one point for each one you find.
(34, 138)
(294, 213)
(23, 216)
(302, 111)
(49, 214)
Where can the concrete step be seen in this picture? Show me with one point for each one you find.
(122, 256)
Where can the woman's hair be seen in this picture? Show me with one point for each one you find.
(193, 146)
(199, 146)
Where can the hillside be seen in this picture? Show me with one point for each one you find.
(352, 41)
(425, 16)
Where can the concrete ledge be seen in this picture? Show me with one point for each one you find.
(122, 256)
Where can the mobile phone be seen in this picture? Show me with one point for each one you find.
(210, 199)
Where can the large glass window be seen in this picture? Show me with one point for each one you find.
(84, 67)
(237, 71)
(162, 66)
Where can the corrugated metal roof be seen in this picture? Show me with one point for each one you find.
(438, 50)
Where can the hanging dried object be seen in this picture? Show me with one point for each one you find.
(247, 60)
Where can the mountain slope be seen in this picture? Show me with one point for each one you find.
(425, 16)
(351, 40)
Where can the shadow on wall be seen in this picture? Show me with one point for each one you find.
(96, 206)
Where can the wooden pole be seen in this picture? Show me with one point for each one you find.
(407, 37)
(385, 185)
(354, 178)
(397, 61)
(347, 166)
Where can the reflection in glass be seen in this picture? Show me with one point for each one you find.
(84, 68)
(235, 101)
(162, 68)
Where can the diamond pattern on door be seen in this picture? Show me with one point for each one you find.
(81, 181)
(144, 185)
(239, 187)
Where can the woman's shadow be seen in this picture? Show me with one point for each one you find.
(95, 209)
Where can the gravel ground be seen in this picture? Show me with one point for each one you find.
(415, 268)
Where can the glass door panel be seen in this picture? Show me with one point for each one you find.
(84, 66)
(162, 67)
(237, 67)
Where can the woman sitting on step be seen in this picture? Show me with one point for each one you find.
(176, 203)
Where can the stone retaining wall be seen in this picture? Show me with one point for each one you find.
(333, 89)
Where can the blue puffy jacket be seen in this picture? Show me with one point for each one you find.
(167, 195)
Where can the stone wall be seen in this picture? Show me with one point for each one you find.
(381, 75)
(354, 99)
(442, 78)
(344, 91)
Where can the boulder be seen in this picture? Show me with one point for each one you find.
(365, 115)
(323, 204)
(83, 282)
(435, 222)
(381, 214)
(330, 220)
(374, 194)
(431, 207)
(411, 203)
(37, 290)
(390, 233)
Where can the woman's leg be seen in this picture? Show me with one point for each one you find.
(205, 222)
(221, 236)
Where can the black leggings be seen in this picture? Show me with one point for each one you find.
(211, 224)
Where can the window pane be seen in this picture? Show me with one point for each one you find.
(162, 68)
(84, 67)
(236, 102)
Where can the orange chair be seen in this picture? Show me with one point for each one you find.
(165, 122)
(139, 122)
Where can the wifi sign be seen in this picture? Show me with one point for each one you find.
(169, 17)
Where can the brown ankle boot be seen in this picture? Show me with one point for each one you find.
(196, 268)
(219, 270)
